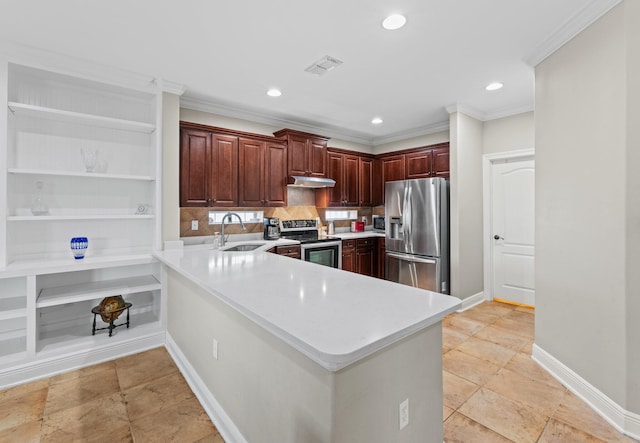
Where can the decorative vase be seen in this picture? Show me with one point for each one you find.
(89, 158)
(38, 205)
(79, 246)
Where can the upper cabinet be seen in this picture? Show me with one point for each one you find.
(307, 153)
(263, 170)
(224, 168)
(208, 169)
(353, 173)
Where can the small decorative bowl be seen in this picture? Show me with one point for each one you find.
(79, 246)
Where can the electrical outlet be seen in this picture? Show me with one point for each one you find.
(194, 225)
(215, 349)
(404, 413)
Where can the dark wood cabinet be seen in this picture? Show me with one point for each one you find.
(344, 170)
(307, 153)
(441, 162)
(292, 251)
(262, 168)
(366, 256)
(353, 174)
(381, 257)
(208, 169)
(366, 182)
(393, 168)
(349, 255)
(419, 164)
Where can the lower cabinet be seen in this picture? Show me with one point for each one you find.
(46, 320)
(292, 251)
(381, 258)
(361, 256)
(366, 256)
(349, 255)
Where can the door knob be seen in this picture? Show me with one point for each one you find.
(497, 237)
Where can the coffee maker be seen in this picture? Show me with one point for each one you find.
(271, 228)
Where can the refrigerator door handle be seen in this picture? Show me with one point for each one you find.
(411, 258)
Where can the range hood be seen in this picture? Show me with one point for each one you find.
(311, 182)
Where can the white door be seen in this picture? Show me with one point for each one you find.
(512, 223)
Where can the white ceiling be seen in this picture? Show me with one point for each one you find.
(228, 53)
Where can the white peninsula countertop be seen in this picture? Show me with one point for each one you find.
(332, 316)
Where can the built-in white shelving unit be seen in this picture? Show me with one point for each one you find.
(81, 159)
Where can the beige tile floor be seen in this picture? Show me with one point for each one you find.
(493, 392)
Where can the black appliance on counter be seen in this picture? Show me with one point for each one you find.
(271, 228)
(315, 248)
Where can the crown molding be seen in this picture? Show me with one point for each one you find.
(413, 133)
(255, 116)
(467, 110)
(569, 29)
(493, 115)
(171, 87)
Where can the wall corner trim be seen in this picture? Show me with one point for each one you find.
(624, 421)
(218, 416)
(471, 301)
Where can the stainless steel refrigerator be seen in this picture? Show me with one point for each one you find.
(417, 233)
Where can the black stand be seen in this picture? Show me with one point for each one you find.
(111, 326)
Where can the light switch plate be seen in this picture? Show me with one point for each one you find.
(194, 225)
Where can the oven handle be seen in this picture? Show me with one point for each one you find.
(323, 243)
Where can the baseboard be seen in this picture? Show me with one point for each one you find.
(621, 419)
(471, 301)
(39, 369)
(219, 417)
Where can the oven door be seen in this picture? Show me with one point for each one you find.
(323, 253)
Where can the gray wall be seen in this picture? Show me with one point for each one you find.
(506, 134)
(583, 287)
(170, 167)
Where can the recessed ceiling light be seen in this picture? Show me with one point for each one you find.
(494, 86)
(273, 92)
(395, 21)
(376, 120)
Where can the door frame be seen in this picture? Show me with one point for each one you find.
(488, 161)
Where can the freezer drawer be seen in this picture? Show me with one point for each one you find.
(416, 271)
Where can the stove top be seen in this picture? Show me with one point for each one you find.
(304, 231)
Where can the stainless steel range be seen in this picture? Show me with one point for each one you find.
(315, 248)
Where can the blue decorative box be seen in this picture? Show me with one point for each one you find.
(79, 246)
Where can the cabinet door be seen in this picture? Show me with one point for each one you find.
(349, 255)
(251, 189)
(335, 171)
(224, 170)
(441, 162)
(297, 155)
(381, 257)
(366, 256)
(275, 174)
(365, 185)
(351, 179)
(317, 157)
(392, 169)
(419, 164)
(195, 168)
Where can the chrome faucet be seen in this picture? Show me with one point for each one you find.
(228, 216)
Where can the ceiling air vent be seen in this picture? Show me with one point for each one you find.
(324, 65)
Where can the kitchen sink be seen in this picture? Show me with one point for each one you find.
(243, 247)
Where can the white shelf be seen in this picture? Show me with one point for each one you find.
(14, 347)
(80, 174)
(13, 307)
(93, 290)
(81, 217)
(79, 338)
(21, 109)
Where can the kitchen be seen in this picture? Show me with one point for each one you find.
(602, 367)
